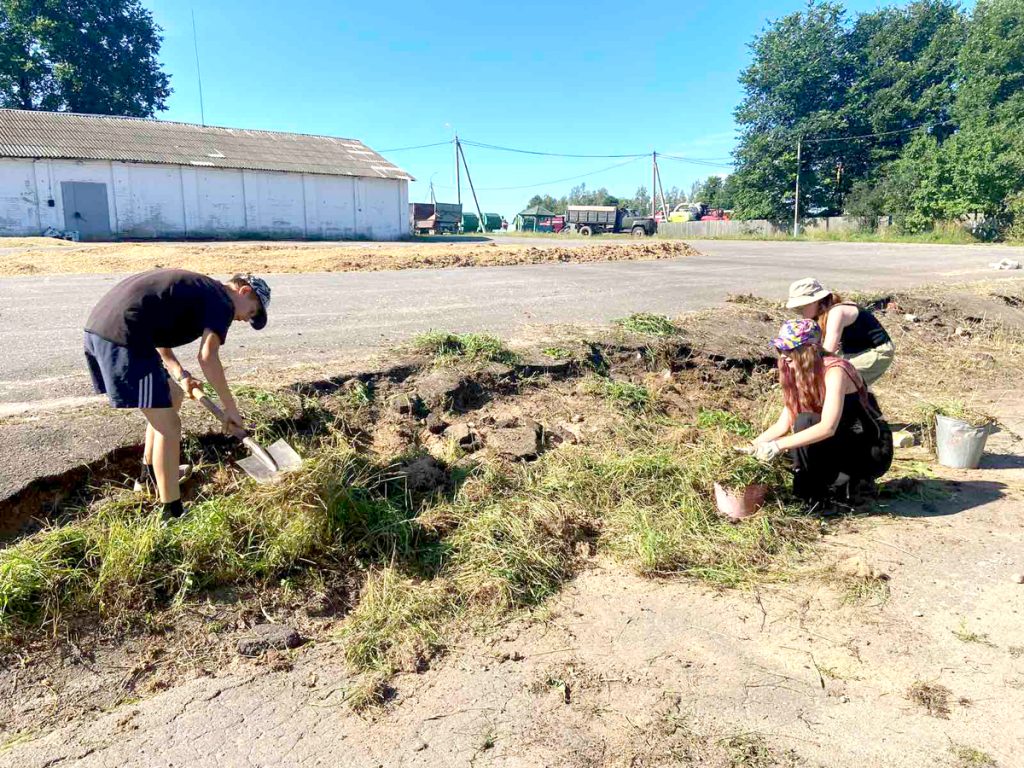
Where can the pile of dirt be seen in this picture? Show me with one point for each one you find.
(276, 258)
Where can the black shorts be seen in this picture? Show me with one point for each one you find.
(130, 378)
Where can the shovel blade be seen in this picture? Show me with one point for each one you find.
(284, 457)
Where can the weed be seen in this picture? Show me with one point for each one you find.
(730, 422)
(558, 353)
(965, 635)
(969, 757)
(451, 348)
(751, 751)
(628, 396)
(358, 394)
(648, 324)
(934, 698)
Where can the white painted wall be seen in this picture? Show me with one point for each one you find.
(169, 201)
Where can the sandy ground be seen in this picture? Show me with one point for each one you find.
(41, 256)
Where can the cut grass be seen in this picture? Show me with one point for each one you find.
(730, 422)
(474, 348)
(648, 324)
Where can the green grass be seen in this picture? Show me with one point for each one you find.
(969, 757)
(450, 348)
(627, 396)
(730, 422)
(558, 353)
(648, 324)
(965, 635)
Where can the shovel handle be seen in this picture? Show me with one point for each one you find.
(212, 407)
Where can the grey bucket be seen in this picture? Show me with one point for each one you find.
(958, 444)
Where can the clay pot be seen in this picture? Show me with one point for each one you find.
(739, 503)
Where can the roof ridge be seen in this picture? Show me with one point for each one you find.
(158, 121)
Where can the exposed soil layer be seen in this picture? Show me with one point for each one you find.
(274, 258)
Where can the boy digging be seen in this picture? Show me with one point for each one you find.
(129, 341)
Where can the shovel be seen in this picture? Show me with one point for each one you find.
(264, 465)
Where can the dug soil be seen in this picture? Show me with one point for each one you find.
(897, 641)
(37, 256)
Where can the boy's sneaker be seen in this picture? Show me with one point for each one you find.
(146, 483)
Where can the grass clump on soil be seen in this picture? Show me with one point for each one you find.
(628, 396)
(730, 422)
(969, 757)
(450, 348)
(648, 324)
(932, 697)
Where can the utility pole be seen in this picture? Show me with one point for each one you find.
(481, 227)
(654, 182)
(458, 179)
(796, 197)
(661, 188)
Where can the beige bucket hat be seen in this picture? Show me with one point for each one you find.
(806, 291)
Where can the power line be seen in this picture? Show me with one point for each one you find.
(480, 145)
(876, 135)
(553, 181)
(706, 162)
(418, 146)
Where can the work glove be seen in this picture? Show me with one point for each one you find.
(766, 451)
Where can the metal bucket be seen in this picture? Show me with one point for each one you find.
(958, 444)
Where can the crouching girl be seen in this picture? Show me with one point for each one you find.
(830, 423)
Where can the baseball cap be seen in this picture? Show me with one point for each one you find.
(804, 292)
(262, 290)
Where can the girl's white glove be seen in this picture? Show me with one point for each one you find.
(766, 451)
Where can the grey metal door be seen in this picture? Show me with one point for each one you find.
(85, 209)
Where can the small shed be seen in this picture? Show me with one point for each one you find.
(101, 178)
(533, 219)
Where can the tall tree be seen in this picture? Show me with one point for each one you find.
(795, 87)
(91, 56)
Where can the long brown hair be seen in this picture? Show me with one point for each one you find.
(803, 380)
(824, 305)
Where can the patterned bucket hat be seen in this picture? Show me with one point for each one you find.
(797, 333)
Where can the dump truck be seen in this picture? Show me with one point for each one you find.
(435, 218)
(589, 220)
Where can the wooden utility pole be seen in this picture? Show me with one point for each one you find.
(481, 227)
(654, 181)
(796, 197)
(661, 188)
(458, 179)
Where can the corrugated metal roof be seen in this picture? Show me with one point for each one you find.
(63, 135)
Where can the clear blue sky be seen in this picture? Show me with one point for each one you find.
(581, 77)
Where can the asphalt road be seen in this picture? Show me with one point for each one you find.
(320, 317)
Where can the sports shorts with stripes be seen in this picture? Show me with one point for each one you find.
(130, 378)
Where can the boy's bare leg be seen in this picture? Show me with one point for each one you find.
(166, 426)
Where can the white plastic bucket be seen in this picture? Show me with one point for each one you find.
(958, 444)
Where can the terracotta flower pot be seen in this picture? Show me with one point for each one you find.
(739, 503)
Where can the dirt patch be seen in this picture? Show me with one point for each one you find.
(276, 258)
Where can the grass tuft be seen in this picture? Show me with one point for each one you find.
(934, 698)
(451, 348)
(648, 324)
(969, 757)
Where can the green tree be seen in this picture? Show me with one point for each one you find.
(795, 87)
(91, 56)
(988, 151)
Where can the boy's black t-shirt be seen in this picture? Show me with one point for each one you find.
(162, 308)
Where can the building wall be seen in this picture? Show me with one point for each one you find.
(169, 201)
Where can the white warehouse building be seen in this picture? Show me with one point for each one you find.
(117, 177)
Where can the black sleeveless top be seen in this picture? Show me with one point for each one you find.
(863, 334)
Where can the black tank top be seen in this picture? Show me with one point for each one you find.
(863, 334)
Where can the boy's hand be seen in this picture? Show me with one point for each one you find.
(193, 387)
(233, 419)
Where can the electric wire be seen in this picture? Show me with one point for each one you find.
(418, 146)
(876, 135)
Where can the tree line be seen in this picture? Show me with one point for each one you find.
(715, 191)
(913, 111)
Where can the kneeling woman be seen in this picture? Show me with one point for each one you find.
(849, 331)
(830, 423)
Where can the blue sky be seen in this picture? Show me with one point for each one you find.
(580, 77)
